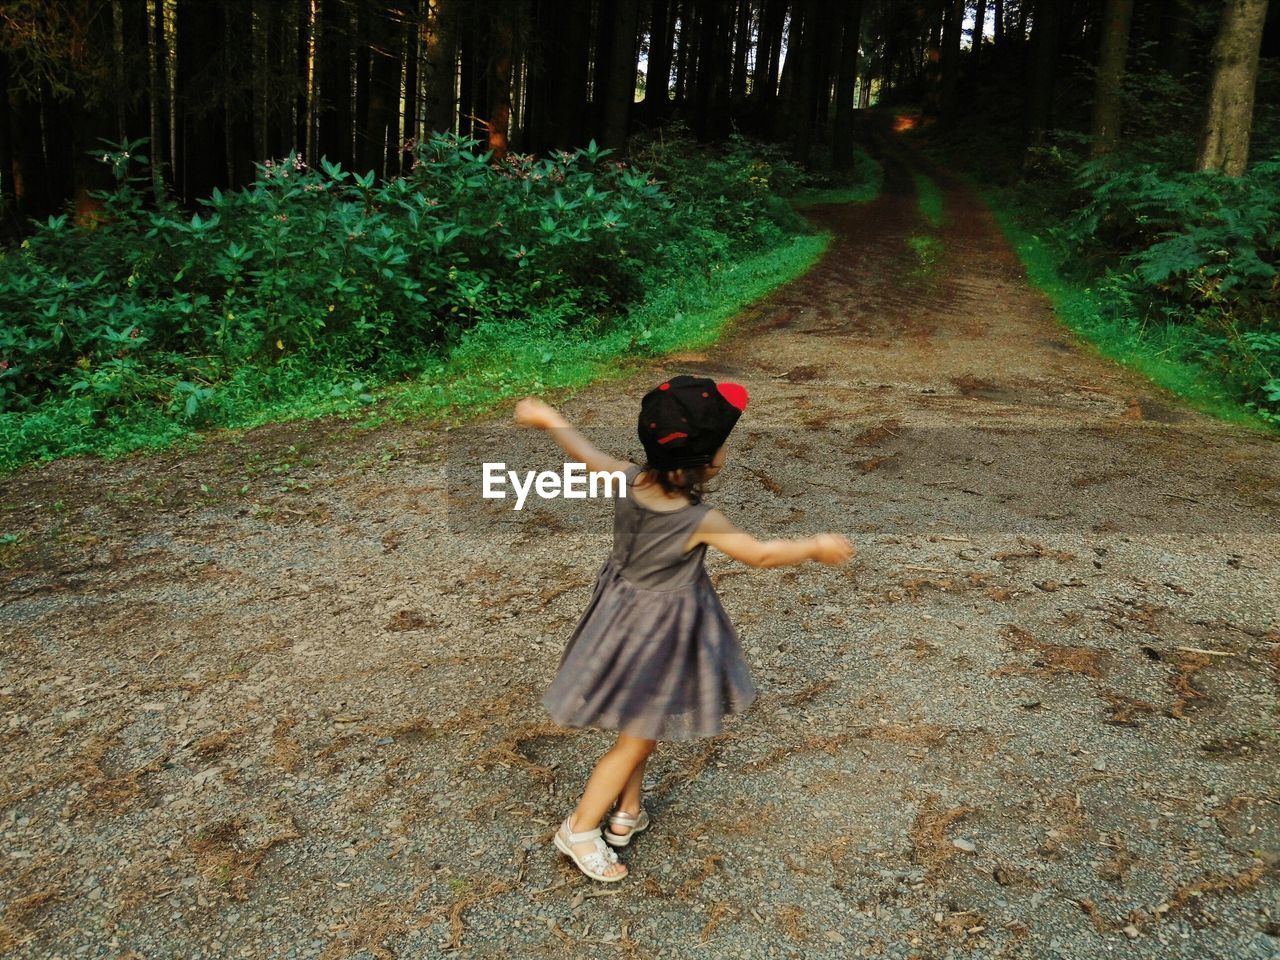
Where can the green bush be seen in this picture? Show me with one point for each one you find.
(726, 198)
(1186, 235)
(1196, 249)
(307, 261)
(148, 322)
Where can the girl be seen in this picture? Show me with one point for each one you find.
(655, 656)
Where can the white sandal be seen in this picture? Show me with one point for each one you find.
(593, 864)
(637, 822)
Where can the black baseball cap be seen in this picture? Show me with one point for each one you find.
(685, 420)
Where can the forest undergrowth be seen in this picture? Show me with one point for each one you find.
(318, 292)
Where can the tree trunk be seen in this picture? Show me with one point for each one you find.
(825, 54)
(382, 118)
(926, 67)
(842, 136)
(1044, 62)
(682, 55)
(998, 26)
(1105, 128)
(301, 36)
(334, 96)
(769, 50)
(572, 56)
(602, 51)
(888, 57)
(710, 94)
(979, 30)
(620, 82)
(412, 31)
(117, 67)
(237, 84)
(393, 77)
(440, 66)
(718, 119)
(31, 180)
(261, 30)
(802, 80)
(166, 151)
(558, 70)
(953, 25)
(286, 51)
(93, 122)
(201, 157)
(293, 65)
(657, 88)
(741, 42)
(8, 200)
(789, 66)
(468, 98)
(702, 96)
(155, 148)
(498, 110)
(310, 97)
(519, 95)
(481, 66)
(538, 120)
(228, 97)
(360, 99)
(1224, 140)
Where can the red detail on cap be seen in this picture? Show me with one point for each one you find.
(664, 386)
(672, 436)
(735, 393)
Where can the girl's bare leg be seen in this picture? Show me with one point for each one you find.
(610, 777)
(629, 799)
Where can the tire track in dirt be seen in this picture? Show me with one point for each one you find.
(1037, 713)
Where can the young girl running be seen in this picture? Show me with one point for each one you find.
(655, 656)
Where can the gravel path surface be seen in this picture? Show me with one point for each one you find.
(278, 697)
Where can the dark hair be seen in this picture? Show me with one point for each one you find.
(692, 483)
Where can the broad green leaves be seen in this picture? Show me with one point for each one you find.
(163, 308)
(1198, 249)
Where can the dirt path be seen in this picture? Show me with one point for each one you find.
(274, 698)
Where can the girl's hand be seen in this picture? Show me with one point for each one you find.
(532, 412)
(832, 549)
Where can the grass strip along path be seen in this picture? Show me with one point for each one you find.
(1157, 351)
(279, 696)
(497, 361)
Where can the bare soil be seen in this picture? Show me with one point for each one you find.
(279, 696)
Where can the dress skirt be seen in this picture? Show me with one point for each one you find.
(659, 664)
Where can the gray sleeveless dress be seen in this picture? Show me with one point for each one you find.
(655, 655)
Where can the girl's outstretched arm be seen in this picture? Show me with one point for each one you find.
(716, 531)
(532, 412)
